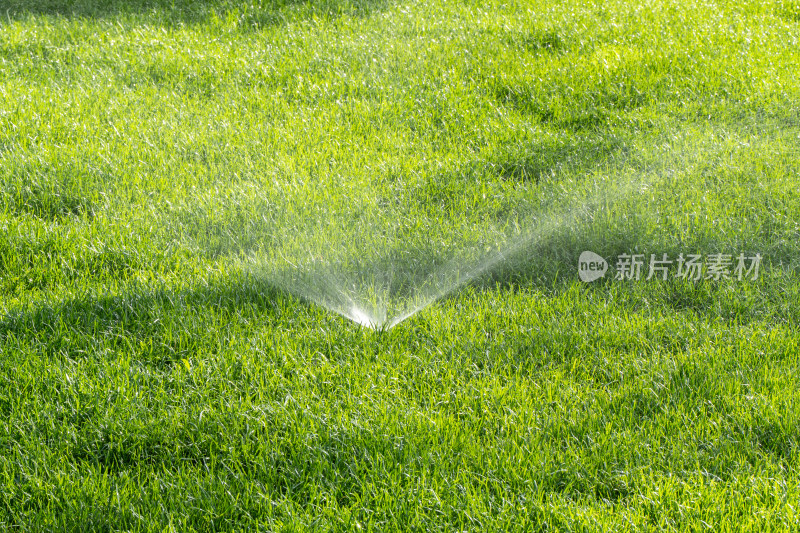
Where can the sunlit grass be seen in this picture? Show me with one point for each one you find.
(181, 181)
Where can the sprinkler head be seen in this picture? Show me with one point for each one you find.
(376, 320)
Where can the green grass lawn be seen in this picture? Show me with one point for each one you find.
(193, 192)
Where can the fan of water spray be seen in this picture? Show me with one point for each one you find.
(378, 256)
(379, 242)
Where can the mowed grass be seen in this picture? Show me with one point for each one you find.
(148, 382)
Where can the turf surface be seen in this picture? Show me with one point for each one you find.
(153, 380)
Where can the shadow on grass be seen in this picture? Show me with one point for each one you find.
(158, 326)
(252, 15)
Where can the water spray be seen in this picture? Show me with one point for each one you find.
(319, 282)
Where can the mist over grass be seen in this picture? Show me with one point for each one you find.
(188, 188)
